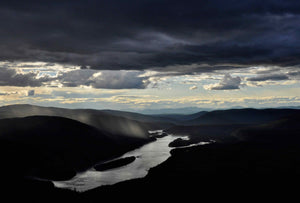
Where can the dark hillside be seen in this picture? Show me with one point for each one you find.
(241, 116)
(55, 147)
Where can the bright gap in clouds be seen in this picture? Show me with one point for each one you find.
(75, 87)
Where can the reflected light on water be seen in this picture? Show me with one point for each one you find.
(148, 156)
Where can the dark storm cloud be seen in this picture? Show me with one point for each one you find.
(269, 77)
(143, 34)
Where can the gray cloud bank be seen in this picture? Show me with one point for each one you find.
(75, 78)
(227, 83)
(269, 77)
(105, 79)
(146, 34)
(10, 77)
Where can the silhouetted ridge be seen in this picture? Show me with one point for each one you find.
(280, 132)
(117, 123)
(241, 116)
(55, 147)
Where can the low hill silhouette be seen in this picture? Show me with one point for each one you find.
(241, 116)
(117, 123)
(55, 147)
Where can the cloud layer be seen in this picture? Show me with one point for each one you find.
(105, 79)
(227, 83)
(10, 77)
(144, 34)
(74, 78)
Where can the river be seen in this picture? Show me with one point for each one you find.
(147, 156)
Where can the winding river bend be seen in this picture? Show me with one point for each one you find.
(148, 156)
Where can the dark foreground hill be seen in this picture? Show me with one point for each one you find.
(283, 132)
(55, 147)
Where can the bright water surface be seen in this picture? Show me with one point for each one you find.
(148, 156)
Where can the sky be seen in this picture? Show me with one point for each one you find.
(150, 54)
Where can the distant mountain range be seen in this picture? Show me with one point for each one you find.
(193, 110)
(241, 116)
(185, 111)
(137, 125)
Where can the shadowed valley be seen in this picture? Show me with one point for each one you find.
(247, 146)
